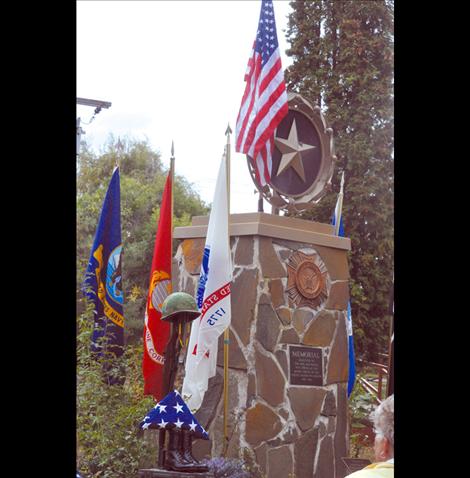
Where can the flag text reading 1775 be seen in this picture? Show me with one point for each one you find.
(214, 298)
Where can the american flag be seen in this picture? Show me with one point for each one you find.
(173, 412)
(264, 102)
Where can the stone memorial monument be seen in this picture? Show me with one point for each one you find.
(288, 350)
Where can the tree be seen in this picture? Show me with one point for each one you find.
(142, 181)
(343, 61)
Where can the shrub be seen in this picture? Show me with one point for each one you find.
(109, 443)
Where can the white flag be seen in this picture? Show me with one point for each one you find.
(213, 299)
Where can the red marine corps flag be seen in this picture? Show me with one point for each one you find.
(157, 331)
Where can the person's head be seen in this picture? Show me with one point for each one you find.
(383, 419)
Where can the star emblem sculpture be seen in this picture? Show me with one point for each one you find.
(291, 150)
(302, 159)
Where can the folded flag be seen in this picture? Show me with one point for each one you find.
(173, 413)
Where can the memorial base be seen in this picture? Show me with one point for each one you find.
(160, 473)
(288, 350)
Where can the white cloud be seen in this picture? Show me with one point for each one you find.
(172, 71)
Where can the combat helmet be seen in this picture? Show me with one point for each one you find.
(177, 303)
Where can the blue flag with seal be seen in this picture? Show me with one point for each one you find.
(337, 221)
(103, 284)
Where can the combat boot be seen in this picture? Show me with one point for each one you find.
(187, 452)
(174, 460)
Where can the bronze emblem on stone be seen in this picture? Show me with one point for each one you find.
(308, 281)
(302, 158)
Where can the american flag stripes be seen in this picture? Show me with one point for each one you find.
(264, 103)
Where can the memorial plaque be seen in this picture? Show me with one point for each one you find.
(305, 366)
(355, 464)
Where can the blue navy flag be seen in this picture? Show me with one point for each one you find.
(172, 412)
(102, 284)
(338, 219)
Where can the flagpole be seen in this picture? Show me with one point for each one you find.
(118, 152)
(227, 330)
(172, 176)
(172, 180)
(340, 206)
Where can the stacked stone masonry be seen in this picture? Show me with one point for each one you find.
(280, 429)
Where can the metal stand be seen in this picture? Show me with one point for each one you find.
(161, 448)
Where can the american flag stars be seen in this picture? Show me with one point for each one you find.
(264, 103)
(172, 412)
(178, 423)
(162, 424)
(267, 43)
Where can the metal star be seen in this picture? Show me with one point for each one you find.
(291, 150)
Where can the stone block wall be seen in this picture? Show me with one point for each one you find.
(281, 429)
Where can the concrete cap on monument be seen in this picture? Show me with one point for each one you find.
(302, 159)
(179, 303)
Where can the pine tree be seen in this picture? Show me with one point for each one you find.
(343, 61)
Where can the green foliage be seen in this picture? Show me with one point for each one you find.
(142, 182)
(108, 416)
(361, 404)
(343, 61)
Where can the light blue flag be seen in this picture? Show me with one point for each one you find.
(338, 219)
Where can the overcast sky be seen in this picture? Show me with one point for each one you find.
(173, 70)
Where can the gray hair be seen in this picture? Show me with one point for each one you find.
(383, 419)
